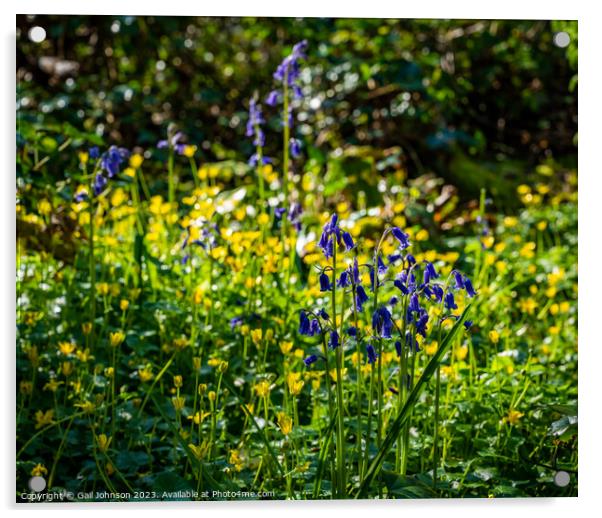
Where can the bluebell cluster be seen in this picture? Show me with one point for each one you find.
(414, 293)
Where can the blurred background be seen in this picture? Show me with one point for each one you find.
(479, 103)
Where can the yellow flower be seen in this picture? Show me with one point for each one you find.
(66, 368)
(513, 416)
(44, 418)
(103, 442)
(39, 470)
(422, 235)
(86, 328)
(136, 160)
(116, 338)
(178, 403)
(528, 305)
(124, 304)
(177, 381)
(523, 189)
(211, 395)
(461, 352)
(286, 347)
(527, 250)
(285, 423)
(262, 388)
(26, 387)
(199, 451)
(565, 307)
(494, 336)
(53, 385)
(256, 336)
(501, 267)
(44, 207)
(87, 406)
(235, 460)
(103, 288)
(83, 157)
(199, 417)
(554, 330)
(189, 151)
(431, 348)
(295, 384)
(145, 374)
(196, 363)
(488, 241)
(109, 468)
(542, 225)
(510, 221)
(66, 348)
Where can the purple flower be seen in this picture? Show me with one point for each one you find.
(449, 301)
(112, 159)
(469, 289)
(99, 184)
(279, 211)
(348, 240)
(438, 292)
(402, 237)
(236, 321)
(93, 152)
(459, 280)
(333, 342)
(325, 282)
(371, 352)
(295, 145)
(272, 98)
(352, 331)
(304, 325)
(310, 359)
(355, 272)
(360, 297)
(468, 324)
(382, 323)
(343, 281)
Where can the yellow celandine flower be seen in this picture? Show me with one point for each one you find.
(53, 385)
(145, 374)
(501, 267)
(262, 388)
(177, 381)
(199, 417)
(66, 368)
(86, 328)
(285, 423)
(109, 371)
(83, 157)
(235, 459)
(83, 356)
(66, 348)
(124, 304)
(528, 250)
(431, 348)
(295, 383)
(422, 235)
(533, 289)
(116, 338)
(44, 418)
(554, 309)
(178, 403)
(263, 219)
(26, 387)
(299, 353)
(136, 160)
(528, 305)
(197, 296)
(109, 468)
(286, 347)
(494, 336)
(488, 241)
(196, 363)
(333, 374)
(200, 451)
(39, 470)
(556, 276)
(256, 336)
(103, 442)
(211, 395)
(554, 330)
(513, 417)
(523, 189)
(103, 288)
(129, 171)
(550, 292)
(565, 307)
(181, 343)
(44, 207)
(542, 225)
(213, 362)
(87, 406)
(461, 352)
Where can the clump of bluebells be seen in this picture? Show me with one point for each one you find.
(107, 166)
(397, 322)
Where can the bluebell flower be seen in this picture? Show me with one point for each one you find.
(438, 292)
(99, 183)
(304, 325)
(343, 281)
(255, 118)
(236, 321)
(393, 390)
(314, 327)
(399, 284)
(398, 348)
(278, 212)
(333, 342)
(310, 359)
(295, 145)
(469, 289)
(253, 161)
(348, 241)
(325, 282)
(450, 303)
(459, 280)
(112, 159)
(290, 69)
(294, 215)
(360, 297)
(94, 152)
(382, 323)
(382, 268)
(329, 250)
(371, 352)
(411, 259)
(272, 98)
(402, 237)
(421, 323)
(468, 324)
(323, 314)
(352, 331)
(80, 196)
(393, 300)
(411, 284)
(394, 258)
(414, 304)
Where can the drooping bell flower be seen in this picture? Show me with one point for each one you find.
(382, 323)
(348, 241)
(304, 325)
(469, 288)
(325, 282)
(402, 237)
(333, 342)
(371, 352)
(343, 281)
(450, 303)
(310, 359)
(459, 280)
(360, 297)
